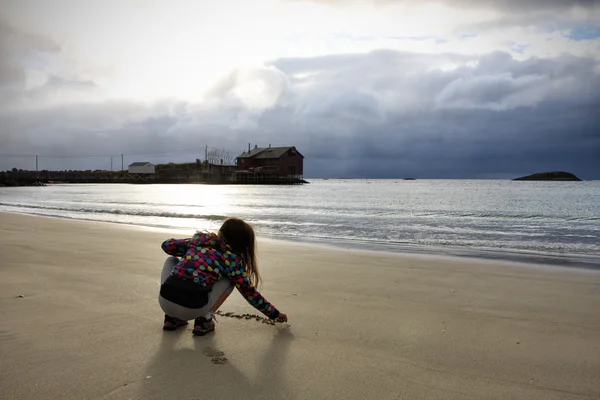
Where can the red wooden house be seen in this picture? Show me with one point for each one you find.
(274, 161)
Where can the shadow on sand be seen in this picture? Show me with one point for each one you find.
(203, 371)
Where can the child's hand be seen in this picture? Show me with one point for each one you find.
(281, 318)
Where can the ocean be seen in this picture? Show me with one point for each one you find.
(542, 222)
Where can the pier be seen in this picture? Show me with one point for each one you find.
(162, 176)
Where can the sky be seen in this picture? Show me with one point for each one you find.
(364, 89)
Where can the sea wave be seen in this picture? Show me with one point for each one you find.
(134, 203)
(488, 215)
(114, 211)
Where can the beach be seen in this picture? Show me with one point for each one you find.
(80, 320)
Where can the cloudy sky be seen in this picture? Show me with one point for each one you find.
(384, 88)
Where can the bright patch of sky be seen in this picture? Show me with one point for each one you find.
(585, 32)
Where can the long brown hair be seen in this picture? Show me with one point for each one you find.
(239, 235)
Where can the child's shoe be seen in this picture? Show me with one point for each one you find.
(202, 326)
(172, 323)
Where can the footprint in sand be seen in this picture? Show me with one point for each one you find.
(217, 356)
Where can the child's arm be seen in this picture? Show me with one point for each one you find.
(176, 247)
(237, 275)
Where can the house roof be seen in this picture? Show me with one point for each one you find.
(139, 164)
(268, 152)
(251, 153)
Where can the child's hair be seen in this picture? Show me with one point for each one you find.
(239, 235)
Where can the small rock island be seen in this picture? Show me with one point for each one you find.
(549, 176)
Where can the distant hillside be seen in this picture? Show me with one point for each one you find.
(549, 176)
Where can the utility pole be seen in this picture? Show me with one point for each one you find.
(206, 154)
(36, 162)
(122, 168)
(111, 164)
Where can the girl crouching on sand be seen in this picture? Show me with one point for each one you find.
(195, 285)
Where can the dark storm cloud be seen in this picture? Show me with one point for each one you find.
(381, 114)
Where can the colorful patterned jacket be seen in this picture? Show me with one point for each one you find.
(206, 259)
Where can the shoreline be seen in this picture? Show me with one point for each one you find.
(562, 260)
(512, 256)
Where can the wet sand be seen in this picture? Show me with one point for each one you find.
(80, 320)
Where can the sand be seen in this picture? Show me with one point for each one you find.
(80, 320)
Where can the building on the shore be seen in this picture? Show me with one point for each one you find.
(270, 163)
(142, 167)
(219, 172)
